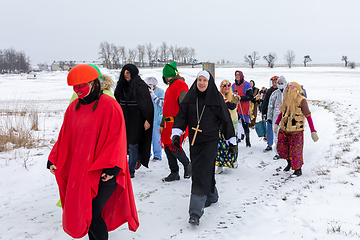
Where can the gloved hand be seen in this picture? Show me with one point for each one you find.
(232, 148)
(276, 128)
(176, 141)
(314, 136)
(269, 121)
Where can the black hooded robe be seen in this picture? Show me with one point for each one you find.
(137, 106)
(203, 153)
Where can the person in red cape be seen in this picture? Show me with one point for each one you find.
(174, 94)
(89, 161)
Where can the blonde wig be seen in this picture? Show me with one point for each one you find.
(229, 95)
(292, 92)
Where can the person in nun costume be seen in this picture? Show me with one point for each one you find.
(204, 111)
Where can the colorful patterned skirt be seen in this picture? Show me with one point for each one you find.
(290, 147)
(224, 158)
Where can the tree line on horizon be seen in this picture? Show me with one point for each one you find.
(145, 55)
(289, 57)
(11, 60)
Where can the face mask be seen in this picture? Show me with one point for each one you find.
(281, 87)
(82, 90)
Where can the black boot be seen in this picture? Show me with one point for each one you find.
(248, 144)
(298, 172)
(187, 171)
(287, 168)
(174, 176)
(194, 219)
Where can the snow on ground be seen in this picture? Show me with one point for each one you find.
(257, 200)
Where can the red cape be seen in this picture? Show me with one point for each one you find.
(88, 143)
(171, 108)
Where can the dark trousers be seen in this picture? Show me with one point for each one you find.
(246, 128)
(197, 202)
(173, 157)
(98, 229)
(134, 157)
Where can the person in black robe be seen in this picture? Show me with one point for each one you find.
(203, 108)
(133, 95)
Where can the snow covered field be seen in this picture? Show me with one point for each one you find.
(257, 200)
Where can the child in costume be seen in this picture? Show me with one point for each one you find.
(291, 134)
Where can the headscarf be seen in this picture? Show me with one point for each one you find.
(213, 97)
(241, 77)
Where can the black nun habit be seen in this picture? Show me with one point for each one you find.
(215, 116)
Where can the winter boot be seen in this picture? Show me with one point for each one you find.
(208, 203)
(276, 157)
(219, 170)
(248, 144)
(187, 171)
(174, 176)
(298, 172)
(138, 165)
(268, 149)
(287, 168)
(194, 219)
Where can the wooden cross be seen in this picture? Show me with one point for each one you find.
(196, 131)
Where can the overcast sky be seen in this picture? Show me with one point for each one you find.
(72, 30)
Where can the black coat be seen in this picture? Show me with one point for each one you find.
(216, 116)
(137, 106)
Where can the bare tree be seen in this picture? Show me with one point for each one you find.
(105, 53)
(115, 56)
(178, 54)
(307, 59)
(132, 55)
(172, 52)
(141, 54)
(122, 52)
(345, 59)
(164, 52)
(251, 59)
(156, 55)
(186, 55)
(290, 58)
(352, 65)
(192, 55)
(43, 66)
(150, 53)
(270, 58)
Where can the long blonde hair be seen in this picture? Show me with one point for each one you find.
(292, 92)
(229, 95)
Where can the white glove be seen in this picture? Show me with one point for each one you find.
(314, 136)
(276, 128)
(152, 94)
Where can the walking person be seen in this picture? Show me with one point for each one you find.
(243, 89)
(204, 112)
(269, 126)
(292, 123)
(224, 158)
(89, 161)
(133, 95)
(275, 103)
(157, 95)
(254, 104)
(174, 95)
